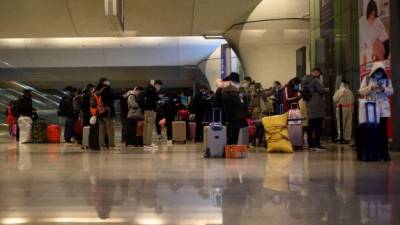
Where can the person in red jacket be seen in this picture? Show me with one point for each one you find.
(10, 117)
(291, 93)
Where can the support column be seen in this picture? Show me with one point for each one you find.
(395, 54)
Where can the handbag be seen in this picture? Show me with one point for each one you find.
(93, 120)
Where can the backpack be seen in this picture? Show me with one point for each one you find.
(306, 94)
(96, 105)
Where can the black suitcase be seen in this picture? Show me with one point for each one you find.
(39, 131)
(94, 143)
(368, 137)
(132, 136)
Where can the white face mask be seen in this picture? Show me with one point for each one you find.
(246, 84)
(107, 82)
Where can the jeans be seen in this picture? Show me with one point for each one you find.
(69, 129)
(314, 132)
(149, 120)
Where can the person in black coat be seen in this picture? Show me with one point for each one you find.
(200, 106)
(150, 108)
(106, 120)
(234, 107)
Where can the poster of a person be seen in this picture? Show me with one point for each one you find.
(374, 31)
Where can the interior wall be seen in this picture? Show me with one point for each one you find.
(268, 39)
(211, 67)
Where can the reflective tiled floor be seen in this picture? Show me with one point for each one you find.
(61, 184)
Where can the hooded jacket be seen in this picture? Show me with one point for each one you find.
(315, 107)
(368, 89)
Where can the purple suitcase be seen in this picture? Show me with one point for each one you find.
(216, 137)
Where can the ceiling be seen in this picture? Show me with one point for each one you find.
(86, 18)
(105, 52)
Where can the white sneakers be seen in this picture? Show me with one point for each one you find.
(169, 143)
(152, 147)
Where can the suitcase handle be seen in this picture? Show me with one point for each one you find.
(214, 111)
(373, 104)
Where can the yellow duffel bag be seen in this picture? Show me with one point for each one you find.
(277, 134)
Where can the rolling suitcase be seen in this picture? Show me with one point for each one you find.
(53, 133)
(25, 127)
(295, 128)
(85, 137)
(134, 132)
(179, 131)
(216, 137)
(192, 131)
(39, 131)
(368, 136)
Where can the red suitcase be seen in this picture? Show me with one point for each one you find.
(53, 133)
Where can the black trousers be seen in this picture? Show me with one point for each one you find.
(384, 138)
(233, 134)
(314, 132)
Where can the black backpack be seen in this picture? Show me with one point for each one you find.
(306, 94)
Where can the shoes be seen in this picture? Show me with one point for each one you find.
(387, 159)
(319, 149)
(152, 147)
(169, 143)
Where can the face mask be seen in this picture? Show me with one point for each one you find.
(246, 85)
(378, 75)
(107, 82)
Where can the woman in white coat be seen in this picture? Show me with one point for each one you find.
(378, 87)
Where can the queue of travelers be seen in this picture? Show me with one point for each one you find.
(144, 108)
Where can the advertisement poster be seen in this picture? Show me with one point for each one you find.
(374, 29)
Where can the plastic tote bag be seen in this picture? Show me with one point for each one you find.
(25, 127)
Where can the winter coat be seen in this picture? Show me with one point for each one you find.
(381, 97)
(107, 96)
(150, 98)
(290, 97)
(233, 106)
(134, 110)
(343, 96)
(315, 107)
(25, 107)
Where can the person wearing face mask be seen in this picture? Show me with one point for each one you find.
(150, 108)
(276, 93)
(315, 108)
(344, 99)
(106, 119)
(378, 87)
(292, 93)
(234, 106)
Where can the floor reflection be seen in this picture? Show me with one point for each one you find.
(60, 184)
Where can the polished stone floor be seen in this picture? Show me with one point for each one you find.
(62, 184)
